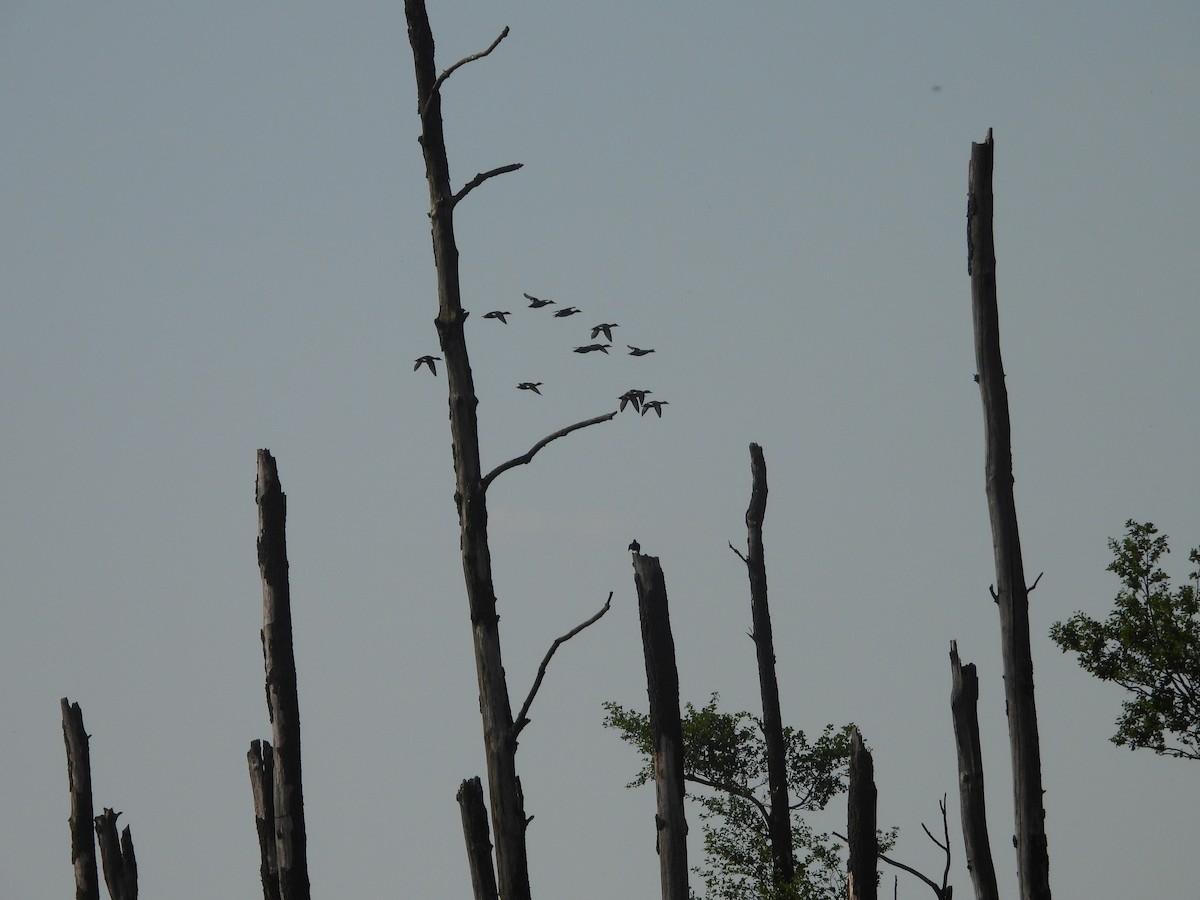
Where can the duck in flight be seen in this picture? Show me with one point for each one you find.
(638, 351)
(655, 405)
(635, 397)
(497, 314)
(535, 303)
(427, 361)
(606, 328)
(591, 348)
(567, 311)
(530, 386)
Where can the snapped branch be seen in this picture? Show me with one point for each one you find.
(525, 458)
(437, 85)
(521, 721)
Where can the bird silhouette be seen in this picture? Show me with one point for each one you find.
(427, 361)
(655, 405)
(635, 546)
(638, 351)
(635, 397)
(497, 314)
(567, 311)
(590, 348)
(606, 329)
(530, 386)
(535, 303)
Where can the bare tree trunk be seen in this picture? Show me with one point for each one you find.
(1012, 595)
(117, 857)
(262, 786)
(479, 842)
(283, 705)
(79, 778)
(964, 701)
(779, 825)
(500, 745)
(860, 825)
(666, 731)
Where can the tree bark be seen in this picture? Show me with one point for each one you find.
(283, 705)
(779, 825)
(79, 779)
(964, 702)
(860, 822)
(500, 745)
(262, 786)
(117, 857)
(666, 730)
(479, 842)
(1011, 593)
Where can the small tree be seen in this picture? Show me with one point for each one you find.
(1149, 644)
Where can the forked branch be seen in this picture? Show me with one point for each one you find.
(525, 458)
(945, 891)
(521, 721)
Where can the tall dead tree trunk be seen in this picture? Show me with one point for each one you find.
(479, 842)
(1011, 593)
(117, 857)
(261, 759)
(779, 824)
(283, 704)
(500, 744)
(964, 702)
(79, 779)
(666, 731)
(861, 832)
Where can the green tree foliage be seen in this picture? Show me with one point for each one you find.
(1149, 644)
(725, 753)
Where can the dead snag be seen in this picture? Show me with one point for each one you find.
(262, 786)
(117, 857)
(479, 842)
(860, 822)
(79, 779)
(1011, 594)
(666, 730)
(964, 702)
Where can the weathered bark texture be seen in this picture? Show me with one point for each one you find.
(1011, 593)
(262, 785)
(117, 857)
(666, 730)
(779, 825)
(500, 744)
(964, 702)
(479, 842)
(283, 705)
(79, 779)
(860, 822)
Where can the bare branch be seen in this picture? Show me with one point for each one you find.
(735, 790)
(942, 893)
(740, 555)
(521, 721)
(437, 85)
(525, 458)
(481, 178)
(1033, 587)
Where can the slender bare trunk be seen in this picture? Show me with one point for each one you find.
(79, 779)
(964, 702)
(1011, 593)
(666, 731)
(261, 760)
(479, 842)
(283, 705)
(117, 857)
(860, 825)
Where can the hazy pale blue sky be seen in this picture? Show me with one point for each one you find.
(214, 238)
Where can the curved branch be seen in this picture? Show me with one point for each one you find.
(481, 178)
(735, 790)
(521, 721)
(437, 85)
(525, 458)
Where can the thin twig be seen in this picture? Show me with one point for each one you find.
(481, 178)
(521, 721)
(437, 85)
(525, 458)
(739, 553)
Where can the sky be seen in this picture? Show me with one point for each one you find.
(214, 238)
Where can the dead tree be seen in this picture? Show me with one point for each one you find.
(117, 857)
(860, 822)
(286, 810)
(964, 702)
(79, 779)
(479, 843)
(666, 731)
(1010, 592)
(779, 822)
(261, 759)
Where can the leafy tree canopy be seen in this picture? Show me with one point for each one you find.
(1149, 644)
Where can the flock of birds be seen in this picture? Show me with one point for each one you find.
(634, 397)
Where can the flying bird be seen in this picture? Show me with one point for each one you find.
(606, 328)
(530, 386)
(567, 311)
(638, 351)
(635, 397)
(427, 361)
(497, 314)
(603, 348)
(535, 303)
(655, 405)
